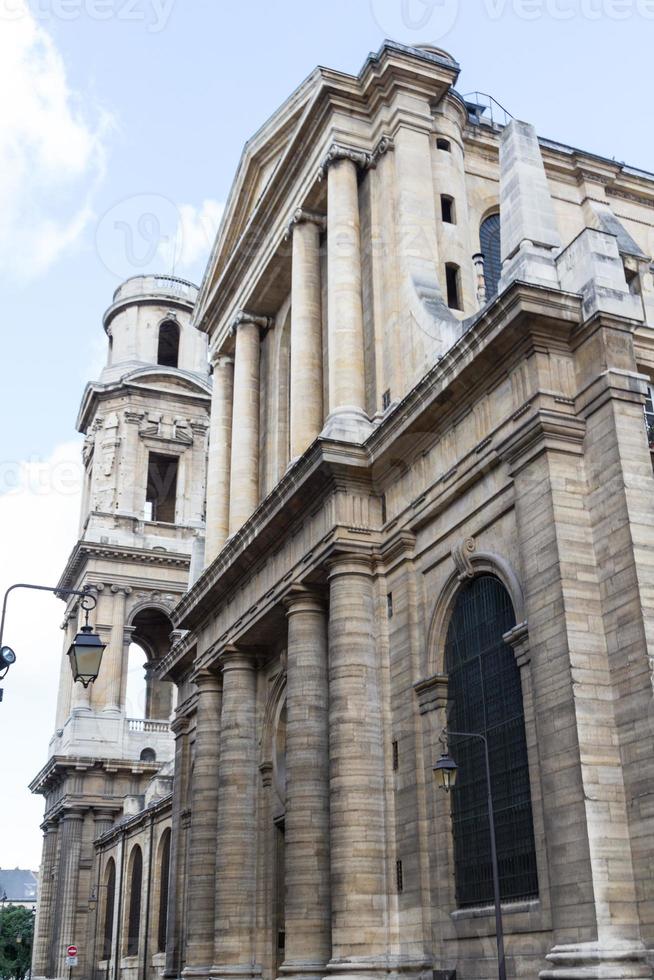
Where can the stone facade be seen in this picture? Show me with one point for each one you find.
(388, 425)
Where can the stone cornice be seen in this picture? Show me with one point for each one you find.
(85, 550)
(431, 693)
(161, 807)
(58, 766)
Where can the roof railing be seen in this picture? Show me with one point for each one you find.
(484, 110)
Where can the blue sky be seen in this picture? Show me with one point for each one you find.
(122, 121)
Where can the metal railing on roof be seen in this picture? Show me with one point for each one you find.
(483, 109)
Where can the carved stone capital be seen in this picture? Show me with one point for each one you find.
(232, 658)
(337, 151)
(302, 216)
(263, 322)
(431, 693)
(385, 145)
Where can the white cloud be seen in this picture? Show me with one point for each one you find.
(196, 230)
(51, 150)
(39, 513)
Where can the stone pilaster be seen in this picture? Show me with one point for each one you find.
(347, 417)
(67, 886)
(204, 825)
(306, 332)
(594, 911)
(307, 904)
(357, 816)
(114, 659)
(220, 453)
(42, 954)
(65, 695)
(236, 853)
(244, 474)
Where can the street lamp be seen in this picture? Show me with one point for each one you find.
(84, 653)
(445, 772)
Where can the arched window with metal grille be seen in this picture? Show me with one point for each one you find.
(490, 246)
(109, 903)
(164, 872)
(485, 697)
(134, 908)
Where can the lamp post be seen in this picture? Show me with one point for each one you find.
(445, 771)
(84, 653)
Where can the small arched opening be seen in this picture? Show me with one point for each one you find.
(490, 247)
(168, 347)
(147, 696)
(164, 873)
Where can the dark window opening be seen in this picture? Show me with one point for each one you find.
(134, 918)
(448, 210)
(161, 491)
(444, 144)
(396, 756)
(110, 886)
(486, 698)
(490, 246)
(384, 513)
(168, 350)
(163, 892)
(399, 877)
(148, 755)
(649, 416)
(386, 400)
(453, 283)
(389, 605)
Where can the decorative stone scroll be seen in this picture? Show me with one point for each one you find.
(461, 553)
(303, 216)
(362, 158)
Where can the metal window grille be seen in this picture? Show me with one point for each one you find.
(486, 697)
(489, 243)
(163, 892)
(134, 919)
(109, 910)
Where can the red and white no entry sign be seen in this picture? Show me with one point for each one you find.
(72, 950)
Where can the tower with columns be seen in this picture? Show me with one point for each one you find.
(145, 425)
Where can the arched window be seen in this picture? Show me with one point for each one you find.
(134, 909)
(110, 898)
(164, 871)
(485, 697)
(489, 243)
(168, 351)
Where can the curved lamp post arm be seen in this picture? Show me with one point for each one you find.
(499, 928)
(85, 593)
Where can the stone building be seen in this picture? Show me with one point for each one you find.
(429, 504)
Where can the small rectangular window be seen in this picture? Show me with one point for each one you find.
(448, 210)
(649, 415)
(396, 756)
(383, 508)
(161, 493)
(389, 605)
(399, 877)
(443, 144)
(386, 399)
(453, 283)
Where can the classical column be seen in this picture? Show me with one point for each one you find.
(306, 331)
(347, 387)
(358, 851)
(67, 885)
(307, 903)
(42, 954)
(174, 922)
(114, 660)
(244, 475)
(204, 841)
(236, 853)
(220, 453)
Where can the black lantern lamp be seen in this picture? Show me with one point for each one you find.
(85, 652)
(445, 772)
